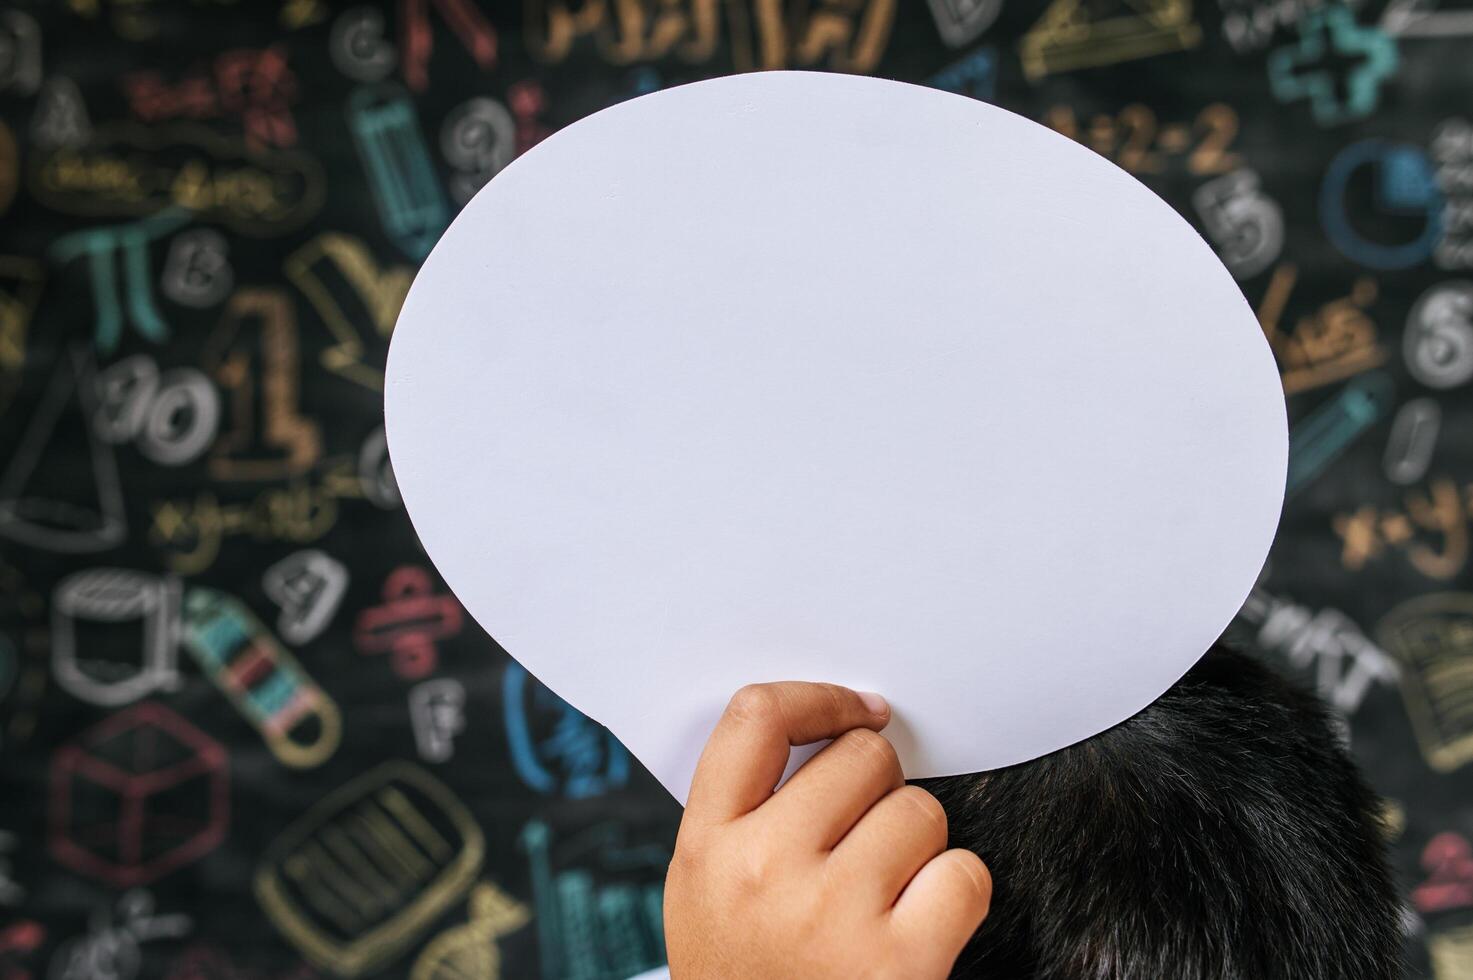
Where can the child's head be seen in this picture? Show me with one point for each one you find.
(1221, 833)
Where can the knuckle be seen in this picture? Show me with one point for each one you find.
(926, 810)
(873, 750)
(836, 700)
(974, 876)
(756, 870)
(755, 703)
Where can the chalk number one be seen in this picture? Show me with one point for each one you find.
(254, 358)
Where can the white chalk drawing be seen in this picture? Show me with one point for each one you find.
(11, 893)
(1438, 344)
(83, 514)
(1345, 662)
(124, 391)
(1412, 440)
(437, 711)
(60, 117)
(376, 473)
(173, 416)
(1246, 225)
(478, 138)
(183, 419)
(308, 585)
(960, 22)
(1423, 19)
(197, 271)
(109, 598)
(109, 950)
(20, 53)
(358, 47)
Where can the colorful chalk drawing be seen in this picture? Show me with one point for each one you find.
(1345, 664)
(362, 874)
(110, 949)
(555, 748)
(1438, 342)
(589, 928)
(1245, 224)
(1333, 343)
(253, 355)
(1413, 440)
(1405, 189)
(347, 288)
(80, 511)
(1138, 142)
(301, 725)
(104, 598)
(1438, 511)
(1433, 637)
(1303, 71)
(405, 186)
(197, 272)
(417, 38)
(308, 585)
(213, 212)
(172, 416)
(960, 22)
(107, 247)
(192, 533)
(837, 35)
(1322, 437)
(138, 795)
(411, 621)
(437, 712)
(470, 950)
(1070, 35)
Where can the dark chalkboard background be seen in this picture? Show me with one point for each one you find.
(230, 680)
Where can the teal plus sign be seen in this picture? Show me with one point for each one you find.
(1327, 37)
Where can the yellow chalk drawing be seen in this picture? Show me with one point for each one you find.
(334, 267)
(838, 35)
(20, 288)
(253, 355)
(1337, 341)
(1452, 954)
(469, 952)
(1075, 34)
(1441, 510)
(9, 167)
(1433, 636)
(192, 532)
(360, 876)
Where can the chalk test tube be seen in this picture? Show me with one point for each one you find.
(1316, 442)
(264, 682)
(401, 176)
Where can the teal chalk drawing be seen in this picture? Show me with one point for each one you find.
(103, 247)
(574, 757)
(401, 176)
(1327, 432)
(588, 930)
(1306, 70)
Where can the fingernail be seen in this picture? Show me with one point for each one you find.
(876, 704)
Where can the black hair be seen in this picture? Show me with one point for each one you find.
(1222, 833)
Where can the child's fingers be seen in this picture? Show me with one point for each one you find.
(746, 754)
(942, 907)
(834, 789)
(890, 844)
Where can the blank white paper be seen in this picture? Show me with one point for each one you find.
(795, 375)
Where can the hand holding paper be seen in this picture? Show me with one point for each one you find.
(842, 872)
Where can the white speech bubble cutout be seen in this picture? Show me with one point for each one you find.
(794, 375)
